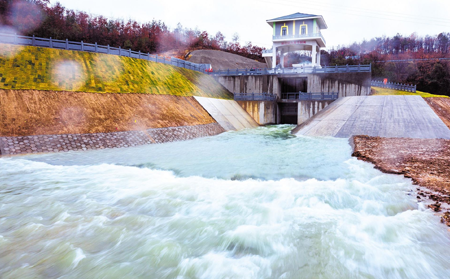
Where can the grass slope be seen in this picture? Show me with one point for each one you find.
(385, 91)
(38, 68)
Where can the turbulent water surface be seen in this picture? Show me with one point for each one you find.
(252, 204)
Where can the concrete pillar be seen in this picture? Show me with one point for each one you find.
(282, 59)
(261, 114)
(318, 58)
(313, 56)
(303, 111)
(274, 57)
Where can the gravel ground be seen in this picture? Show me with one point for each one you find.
(425, 161)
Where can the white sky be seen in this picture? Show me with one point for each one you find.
(347, 20)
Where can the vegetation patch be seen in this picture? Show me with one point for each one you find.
(385, 91)
(38, 68)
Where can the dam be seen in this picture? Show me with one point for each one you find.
(157, 170)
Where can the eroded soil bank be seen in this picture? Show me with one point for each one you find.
(33, 112)
(425, 161)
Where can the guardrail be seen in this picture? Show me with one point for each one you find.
(296, 70)
(254, 97)
(395, 86)
(313, 96)
(81, 46)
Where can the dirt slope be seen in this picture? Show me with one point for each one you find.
(441, 107)
(221, 60)
(32, 112)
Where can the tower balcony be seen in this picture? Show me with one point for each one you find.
(318, 36)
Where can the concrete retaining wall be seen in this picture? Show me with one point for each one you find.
(251, 84)
(77, 142)
(307, 109)
(262, 112)
(347, 84)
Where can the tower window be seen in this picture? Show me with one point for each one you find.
(304, 29)
(284, 30)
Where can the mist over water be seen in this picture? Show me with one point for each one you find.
(258, 203)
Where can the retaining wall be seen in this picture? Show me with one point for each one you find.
(77, 142)
(347, 84)
(251, 84)
(262, 112)
(307, 109)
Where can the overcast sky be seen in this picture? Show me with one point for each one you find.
(347, 20)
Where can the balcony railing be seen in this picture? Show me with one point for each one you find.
(299, 36)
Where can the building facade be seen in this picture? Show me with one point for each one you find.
(296, 32)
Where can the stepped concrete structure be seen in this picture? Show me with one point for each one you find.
(381, 116)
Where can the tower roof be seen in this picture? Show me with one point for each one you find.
(321, 22)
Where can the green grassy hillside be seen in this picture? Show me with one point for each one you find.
(61, 70)
(385, 91)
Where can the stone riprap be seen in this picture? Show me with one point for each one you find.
(77, 142)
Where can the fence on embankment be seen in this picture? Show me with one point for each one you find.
(294, 70)
(96, 48)
(395, 86)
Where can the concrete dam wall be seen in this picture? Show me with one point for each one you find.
(347, 84)
(383, 116)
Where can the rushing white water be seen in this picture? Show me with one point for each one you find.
(252, 204)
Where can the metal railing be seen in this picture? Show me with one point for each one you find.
(302, 96)
(267, 51)
(81, 46)
(299, 36)
(254, 97)
(296, 70)
(395, 86)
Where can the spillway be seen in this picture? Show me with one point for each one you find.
(257, 203)
(384, 116)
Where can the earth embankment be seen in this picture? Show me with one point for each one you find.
(221, 60)
(441, 107)
(32, 112)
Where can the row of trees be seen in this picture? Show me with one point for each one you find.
(39, 18)
(430, 75)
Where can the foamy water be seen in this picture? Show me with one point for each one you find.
(252, 204)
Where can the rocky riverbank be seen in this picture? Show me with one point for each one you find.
(425, 161)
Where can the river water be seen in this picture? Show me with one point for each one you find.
(258, 203)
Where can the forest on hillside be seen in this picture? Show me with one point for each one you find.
(389, 56)
(40, 18)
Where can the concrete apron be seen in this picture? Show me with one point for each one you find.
(227, 113)
(383, 116)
